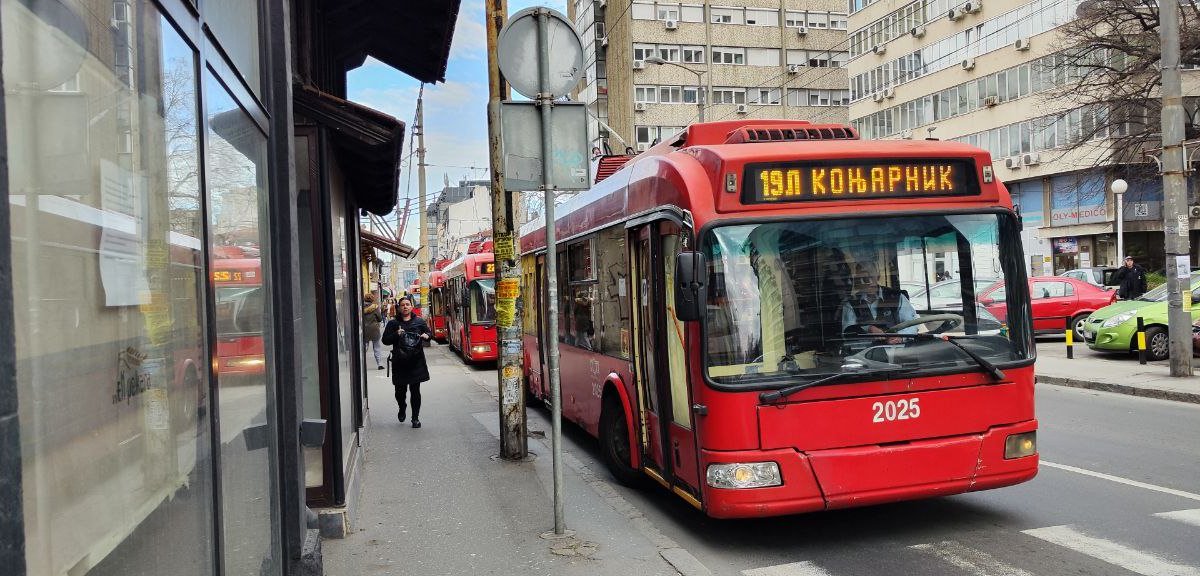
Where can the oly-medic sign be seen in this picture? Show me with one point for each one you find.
(858, 180)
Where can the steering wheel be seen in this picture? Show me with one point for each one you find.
(950, 321)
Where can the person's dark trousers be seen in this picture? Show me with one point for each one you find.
(415, 388)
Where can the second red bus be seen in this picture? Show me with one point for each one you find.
(471, 306)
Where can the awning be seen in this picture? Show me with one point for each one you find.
(386, 244)
(412, 36)
(368, 144)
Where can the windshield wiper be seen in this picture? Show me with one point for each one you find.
(987, 366)
(776, 395)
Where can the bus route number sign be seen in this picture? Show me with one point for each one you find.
(858, 180)
(227, 276)
(487, 268)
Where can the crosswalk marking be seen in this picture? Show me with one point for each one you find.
(793, 569)
(977, 562)
(1186, 516)
(1135, 561)
(1121, 480)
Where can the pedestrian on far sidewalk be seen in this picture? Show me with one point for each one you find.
(372, 321)
(407, 334)
(1131, 280)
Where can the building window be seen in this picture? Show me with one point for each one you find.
(669, 95)
(693, 54)
(643, 51)
(689, 94)
(728, 55)
(762, 17)
(668, 13)
(764, 96)
(729, 96)
(726, 15)
(669, 53)
(645, 94)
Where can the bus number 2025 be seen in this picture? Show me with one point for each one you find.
(904, 409)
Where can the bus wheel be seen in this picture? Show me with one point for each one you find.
(614, 442)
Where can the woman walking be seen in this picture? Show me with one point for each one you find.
(406, 334)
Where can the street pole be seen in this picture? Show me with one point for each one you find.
(700, 95)
(1118, 187)
(514, 442)
(1176, 226)
(423, 234)
(545, 102)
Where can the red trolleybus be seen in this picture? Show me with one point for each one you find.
(437, 305)
(734, 321)
(239, 311)
(471, 306)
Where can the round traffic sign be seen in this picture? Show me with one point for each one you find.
(518, 52)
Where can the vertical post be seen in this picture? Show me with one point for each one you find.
(423, 237)
(1070, 343)
(1120, 228)
(1176, 226)
(514, 443)
(545, 101)
(700, 95)
(1141, 340)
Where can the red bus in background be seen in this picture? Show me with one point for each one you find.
(437, 305)
(414, 293)
(239, 313)
(733, 321)
(470, 291)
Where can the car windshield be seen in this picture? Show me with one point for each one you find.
(239, 310)
(1159, 294)
(806, 297)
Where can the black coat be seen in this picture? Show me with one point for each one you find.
(408, 362)
(1132, 281)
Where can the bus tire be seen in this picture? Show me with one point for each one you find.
(614, 442)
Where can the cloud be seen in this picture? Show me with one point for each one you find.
(470, 33)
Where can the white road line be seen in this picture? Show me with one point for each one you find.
(1125, 481)
(977, 562)
(793, 569)
(1186, 516)
(1135, 561)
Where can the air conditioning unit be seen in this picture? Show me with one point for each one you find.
(741, 109)
(889, 92)
(639, 106)
(968, 64)
(639, 64)
(670, 24)
(1012, 163)
(802, 31)
(955, 14)
(1031, 159)
(917, 32)
(990, 101)
(1022, 44)
(793, 68)
(879, 49)
(1194, 211)
(642, 146)
(973, 7)
(878, 96)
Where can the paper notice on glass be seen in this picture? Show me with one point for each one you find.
(1183, 269)
(122, 247)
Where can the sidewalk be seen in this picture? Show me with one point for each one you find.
(1120, 373)
(438, 501)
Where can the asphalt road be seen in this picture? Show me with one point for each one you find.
(1118, 493)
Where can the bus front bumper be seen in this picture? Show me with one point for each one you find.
(868, 475)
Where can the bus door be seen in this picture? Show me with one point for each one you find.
(667, 431)
(543, 328)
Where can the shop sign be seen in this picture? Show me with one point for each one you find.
(1066, 245)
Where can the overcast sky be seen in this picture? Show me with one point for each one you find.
(455, 111)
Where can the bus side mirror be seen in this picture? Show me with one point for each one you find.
(689, 286)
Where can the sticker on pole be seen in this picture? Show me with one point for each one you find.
(1183, 268)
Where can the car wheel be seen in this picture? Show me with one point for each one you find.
(1076, 325)
(1158, 344)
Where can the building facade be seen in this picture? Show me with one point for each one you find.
(983, 72)
(179, 190)
(734, 59)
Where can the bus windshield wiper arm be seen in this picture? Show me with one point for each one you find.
(988, 367)
(776, 395)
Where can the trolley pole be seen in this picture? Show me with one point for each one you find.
(514, 442)
(1176, 226)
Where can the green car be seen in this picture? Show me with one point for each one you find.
(1114, 327)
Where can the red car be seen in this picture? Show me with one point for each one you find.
(1058, 302)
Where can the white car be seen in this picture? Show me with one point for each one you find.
(946, 295)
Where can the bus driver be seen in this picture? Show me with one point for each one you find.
(872, 308)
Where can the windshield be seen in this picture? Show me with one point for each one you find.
(239, 310)
(807, 297)
(437, 302)
(1159, 294)
(483, 301)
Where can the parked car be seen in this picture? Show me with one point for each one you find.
(1196, 338)
(1114, 327)
(946, 294)
(1057, 302)
(1095, 275)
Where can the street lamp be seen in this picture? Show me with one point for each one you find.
(1118, 188)
(700, 92)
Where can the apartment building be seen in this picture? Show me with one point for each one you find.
(982, 72)
(651, 67)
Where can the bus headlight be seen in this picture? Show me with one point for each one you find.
(1020, 445)
(744, 475)
(481, 348)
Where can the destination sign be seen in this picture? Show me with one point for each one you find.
(857, 180)
(487, 268)
(227, 276)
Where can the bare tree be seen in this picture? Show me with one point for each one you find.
(1107, 68)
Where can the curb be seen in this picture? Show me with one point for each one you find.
(1191, 397)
